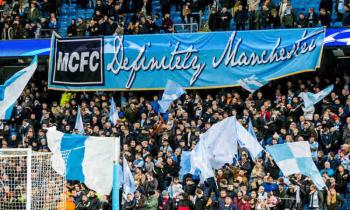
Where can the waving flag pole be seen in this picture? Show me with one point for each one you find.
(116, 178)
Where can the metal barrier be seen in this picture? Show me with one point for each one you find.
(185, 27)
(44, 33)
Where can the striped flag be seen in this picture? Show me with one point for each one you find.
(88, 159)
(294, 158)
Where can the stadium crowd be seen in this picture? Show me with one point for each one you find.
(153, 144)
(23, 19)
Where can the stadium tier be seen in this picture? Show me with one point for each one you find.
(25, 19)
(122, 111)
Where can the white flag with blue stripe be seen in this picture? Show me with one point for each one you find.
(113, 113)
(247, 140)
(13, 88)
(252, 83)
(128, 180)
(79, 126)
(86, 159)
(311, 99)
(294, 158)
(172, 92)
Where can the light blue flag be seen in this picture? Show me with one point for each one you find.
(113, 113)
(128, 178)
(79, 126)
(2, 89)
(13, 88)
(311, 99)
(252, 83)
(200, 162)
(216, 147)
(220, 142)
(294, 158)
(88, 159)
(172, 92)
(251, 130)
(247, 140)
(185, 164)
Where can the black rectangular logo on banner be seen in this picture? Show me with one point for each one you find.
(78, 62)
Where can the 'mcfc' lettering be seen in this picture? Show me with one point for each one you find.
(74, 61)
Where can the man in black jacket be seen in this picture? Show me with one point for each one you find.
(199, 200)
(240, 18)
(226, 17)
(93, 200)
(214, 20)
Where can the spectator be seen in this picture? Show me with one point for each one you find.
(33, 13)
(240, 19)
(167, 24)
(327, 5)
(302, 22)
(253, 18)
(286, 14)
(274, 19)
(334, 201)
(265, 18)
(225, 19)
(340, 9)
(45, 9)
(312, 18)
(53, 24)
(346, 19)
(214, 20)
(81, 27)
(7, 32)
(324, 18)
(72, 29)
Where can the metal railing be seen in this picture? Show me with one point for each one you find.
(185, 27)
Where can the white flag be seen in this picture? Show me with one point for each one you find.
(216, 147)
(311, 99)
(172, 92)
(128, 179)
(13, 88)
(79, 122)
(248, 141)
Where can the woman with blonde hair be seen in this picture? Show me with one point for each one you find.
(334, 201)
(260, 204)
